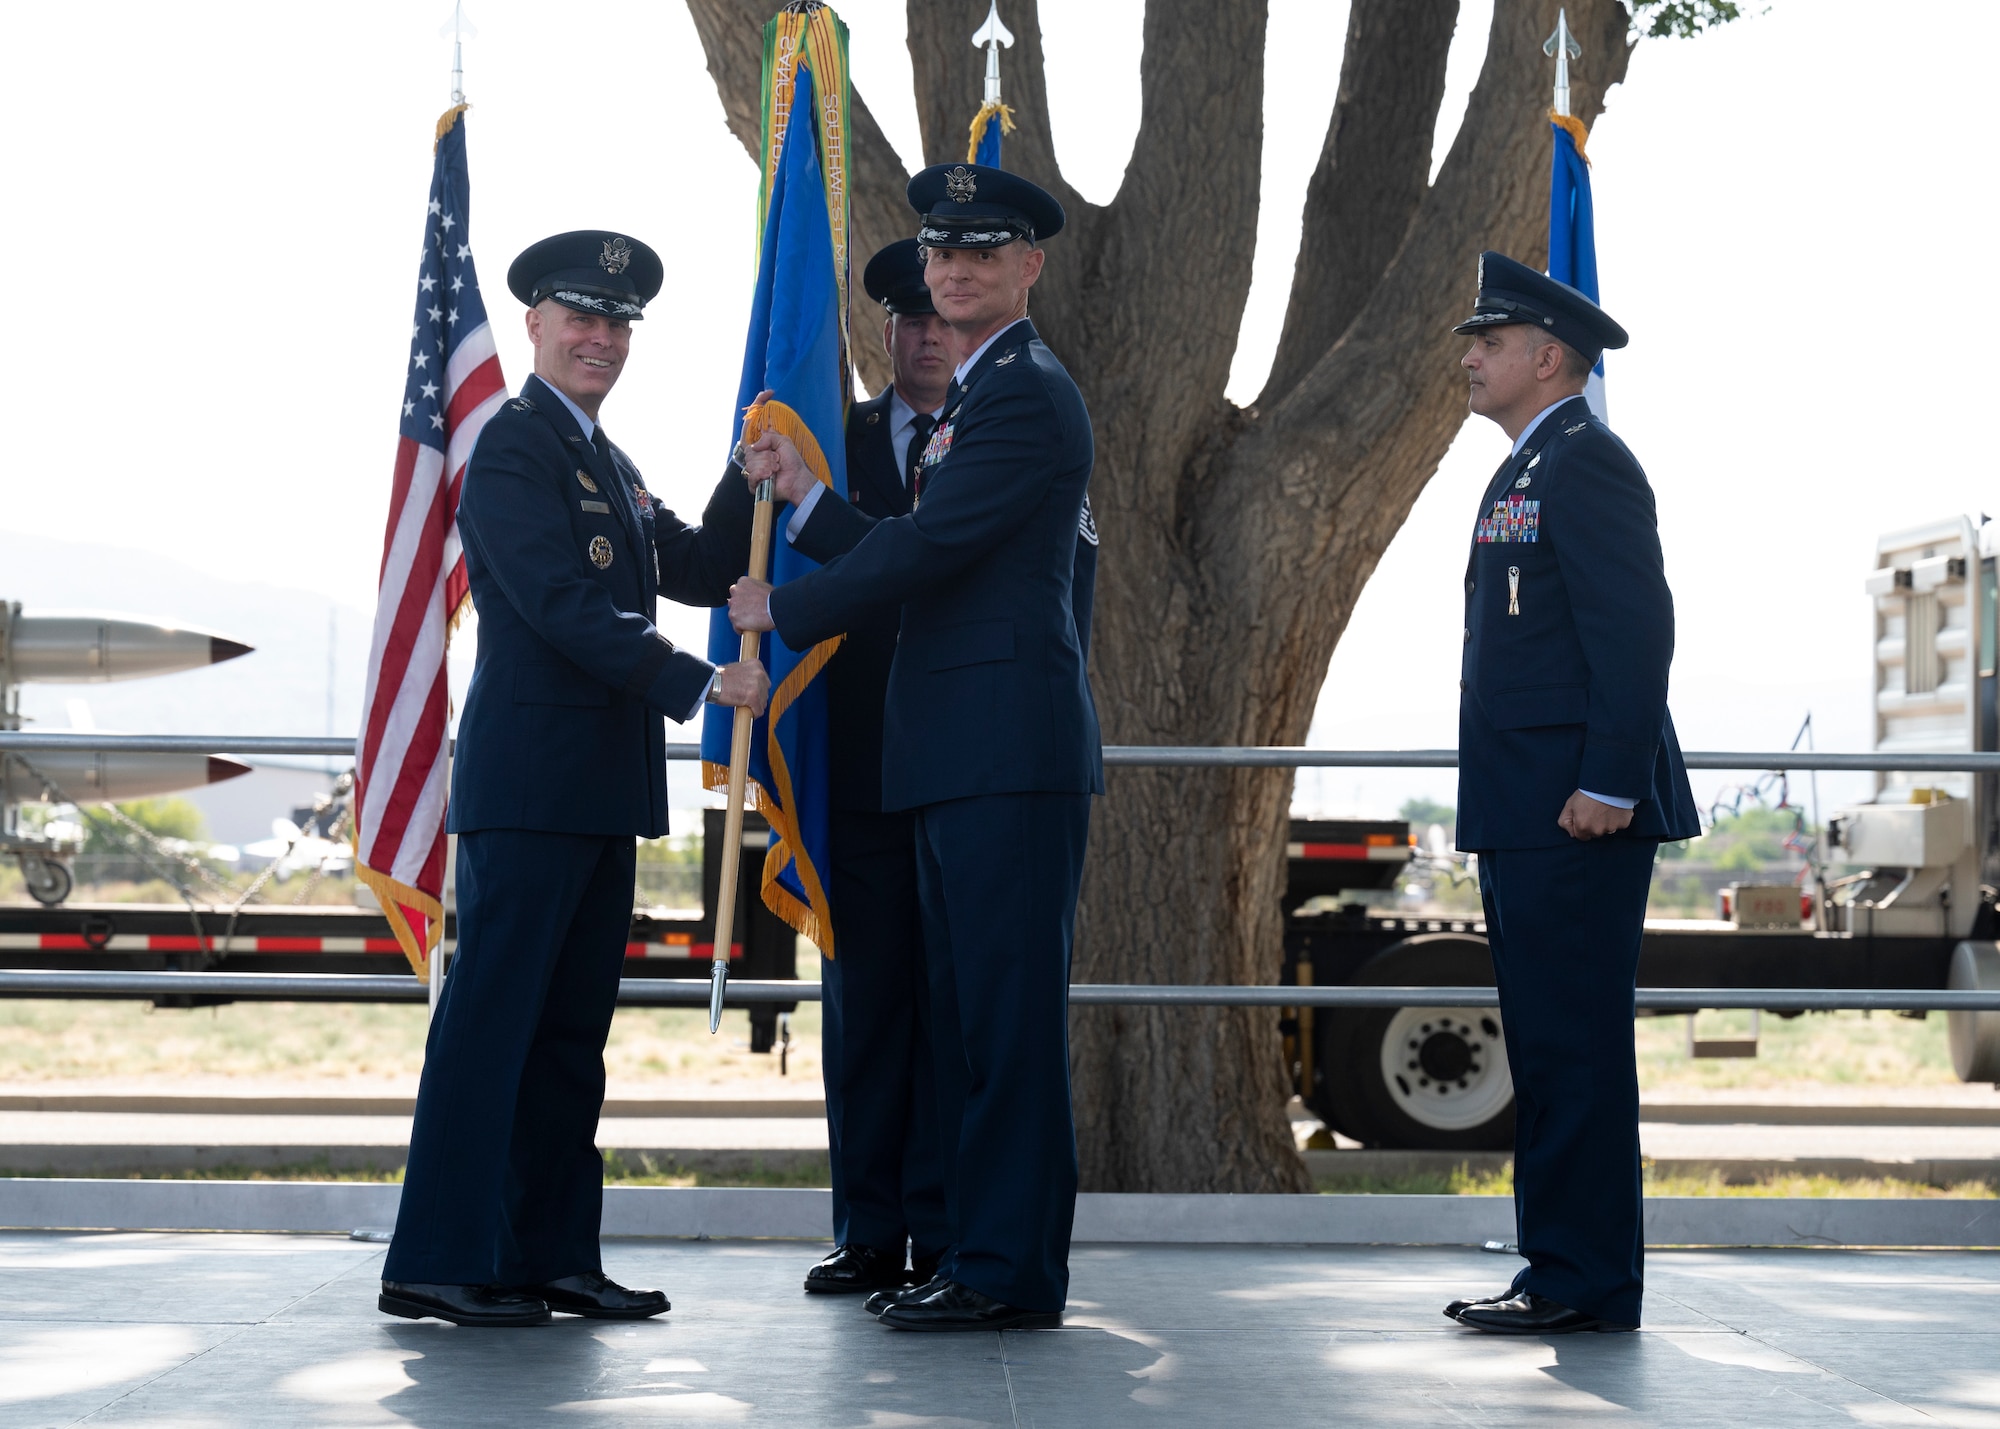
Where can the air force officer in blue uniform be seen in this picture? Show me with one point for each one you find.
(1569, 779)
(881, 1107)
(990, 738)
(560, 764)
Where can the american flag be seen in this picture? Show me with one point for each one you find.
(453, 385)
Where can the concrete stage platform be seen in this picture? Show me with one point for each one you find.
(228, 1330)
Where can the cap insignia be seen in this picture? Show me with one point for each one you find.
(960, 185)
(617, 255)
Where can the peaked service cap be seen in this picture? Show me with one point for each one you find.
(1511, 292)
(894, 278)
(592, 270)
(973, 206)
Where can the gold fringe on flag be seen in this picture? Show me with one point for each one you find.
(393, 896)
(445, 121)
(812, 919)
(985, 116)
(1575, 128)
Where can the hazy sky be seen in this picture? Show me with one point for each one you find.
(219, 208)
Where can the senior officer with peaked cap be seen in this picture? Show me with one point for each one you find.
(991, 736)
(560, 765)
(1569, 779)
(881, 1107)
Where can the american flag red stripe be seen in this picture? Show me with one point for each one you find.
(453, 384)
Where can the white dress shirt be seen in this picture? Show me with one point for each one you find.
(1614, 800)
(902, 427)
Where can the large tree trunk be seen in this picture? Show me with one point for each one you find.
(1235, 540)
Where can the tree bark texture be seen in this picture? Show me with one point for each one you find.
(1235, 539)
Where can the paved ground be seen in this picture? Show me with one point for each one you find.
(252, 1330)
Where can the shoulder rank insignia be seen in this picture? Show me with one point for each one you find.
(1086, 525)
(521, 404)
(600, 553)
(1003, 361)
(1572, 431)
(583, 478)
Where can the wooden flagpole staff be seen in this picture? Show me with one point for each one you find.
(739, 778)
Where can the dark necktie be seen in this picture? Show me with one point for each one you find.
(921, 427)
(603, 445)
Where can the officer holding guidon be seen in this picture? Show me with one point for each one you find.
(990, 732)
(560, 765)
(1569, 779)
(881, 1105)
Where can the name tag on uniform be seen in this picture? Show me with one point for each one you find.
(602, 508)
(1513, 518)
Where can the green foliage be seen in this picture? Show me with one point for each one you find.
(1682, 19)
(171, 818)
(1422, 813)
(674, 851)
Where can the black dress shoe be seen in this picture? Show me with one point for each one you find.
(595, 1296)
(923, 1269)
(1452, 1310)
(1530, 1314)
(487, 1305)
(856, 1270)
(907, 1295)
(960, 1307)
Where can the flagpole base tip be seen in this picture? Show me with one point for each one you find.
(718, 980)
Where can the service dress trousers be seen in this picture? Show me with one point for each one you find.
(1564, 925)
(505, 1185)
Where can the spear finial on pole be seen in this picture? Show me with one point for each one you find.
(459, 29)
(990, 37)
(1562, 44)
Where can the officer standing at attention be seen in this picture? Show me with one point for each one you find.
(560, 763)
(881, 1104)
(991, 737)
(1569, 779)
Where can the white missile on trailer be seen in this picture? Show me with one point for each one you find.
(74, 647)
(111, 776)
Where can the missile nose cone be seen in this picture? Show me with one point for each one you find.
(221, 647)
(220, 766)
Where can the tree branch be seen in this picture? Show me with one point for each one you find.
(1373, 171)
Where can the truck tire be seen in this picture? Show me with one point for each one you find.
(1420, 1078)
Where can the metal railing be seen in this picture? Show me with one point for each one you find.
(1149, 756)
(693, 992)
(687, 992)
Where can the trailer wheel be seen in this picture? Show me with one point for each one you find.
(48, 882)
(1420, 1077)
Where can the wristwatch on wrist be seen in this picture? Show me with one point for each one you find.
(714, 695)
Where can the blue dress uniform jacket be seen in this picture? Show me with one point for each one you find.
(1569, 633)
(567, 555)
(987, 693)
(858, 676)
